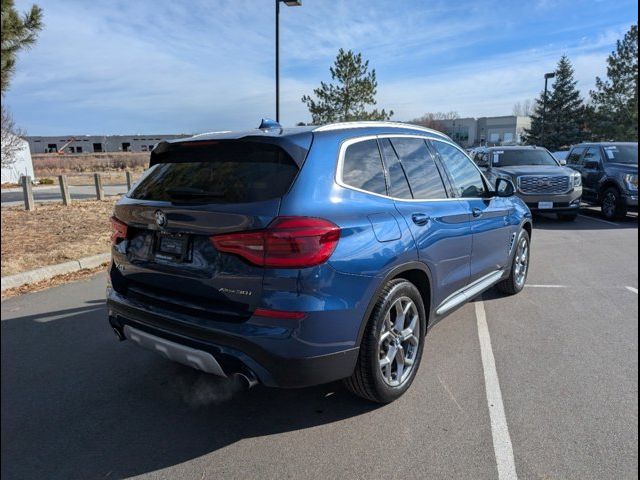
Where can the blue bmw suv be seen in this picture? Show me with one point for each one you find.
(297, 256)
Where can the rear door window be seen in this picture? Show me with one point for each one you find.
(362, 167)
(420, 168)
(225, 172)
(398, 184)
(467, 179)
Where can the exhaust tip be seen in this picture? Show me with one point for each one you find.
(248, 378)
(119, 334)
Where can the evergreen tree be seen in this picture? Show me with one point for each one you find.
(348, 98)
(18, 32)
(564, 119)
(613, 113)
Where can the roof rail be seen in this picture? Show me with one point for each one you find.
(367, 124)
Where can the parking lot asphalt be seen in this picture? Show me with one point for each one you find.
(78, 404)
(52, 194)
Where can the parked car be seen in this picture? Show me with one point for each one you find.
(609, 175)
(542, 183)
(299, 256)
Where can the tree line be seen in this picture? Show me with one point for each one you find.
(610, 113)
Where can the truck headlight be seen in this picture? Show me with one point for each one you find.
(576, 180)
(631, 181)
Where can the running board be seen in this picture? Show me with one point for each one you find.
(469, 292)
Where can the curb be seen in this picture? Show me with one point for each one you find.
(45, 273)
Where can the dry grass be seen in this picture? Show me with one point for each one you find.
(108, 178)
(51, 165)
(54, 234)
(55, 281)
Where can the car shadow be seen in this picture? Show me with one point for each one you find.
(76, 403)
(589, 219)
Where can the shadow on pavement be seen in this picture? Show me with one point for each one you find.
(589, 219)
(78, 404)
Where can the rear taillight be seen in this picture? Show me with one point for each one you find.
(118, 230)
(288, 242)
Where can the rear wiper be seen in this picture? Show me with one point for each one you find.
(193, 193)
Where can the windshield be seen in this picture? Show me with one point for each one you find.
(517, 158)
(622, 153)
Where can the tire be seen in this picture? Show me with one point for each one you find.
(568, 217)
(516, 280)
(368, 380)
(612, 205)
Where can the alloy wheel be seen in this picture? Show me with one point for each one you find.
(521, 262)
(609, 205)
(399, 341)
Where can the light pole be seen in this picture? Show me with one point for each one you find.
(288, 3)
(547, 76)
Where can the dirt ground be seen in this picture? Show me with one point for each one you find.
(54, 234)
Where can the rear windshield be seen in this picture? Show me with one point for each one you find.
(517, 158)
(622, 153)
(231, 172)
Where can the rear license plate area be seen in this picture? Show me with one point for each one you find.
(172, 247)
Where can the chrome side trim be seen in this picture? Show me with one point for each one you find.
(469, 292)
(188, 356)
(340, 164)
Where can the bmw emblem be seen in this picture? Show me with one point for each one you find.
(161, 218)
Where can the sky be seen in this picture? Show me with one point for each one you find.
(161, 67)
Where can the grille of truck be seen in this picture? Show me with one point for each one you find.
(544, 184)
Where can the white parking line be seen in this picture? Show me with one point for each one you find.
(631, 289)
(499, 430)
(600, 220)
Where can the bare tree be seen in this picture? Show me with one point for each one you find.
(523, 109)
(435, 120)
(11, 141)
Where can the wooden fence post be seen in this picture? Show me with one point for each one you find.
(99, 190)
(129, 180)
(27, 193)
(64, 190)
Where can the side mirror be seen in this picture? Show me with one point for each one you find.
(562, 162)
(505, 188)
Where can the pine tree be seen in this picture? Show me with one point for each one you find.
(613, 112)
(18, 32)
(347, 99)
(564, 118)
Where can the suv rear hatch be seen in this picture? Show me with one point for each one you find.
(195, 190)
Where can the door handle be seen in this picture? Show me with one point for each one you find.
(420, 218)
(476, 212)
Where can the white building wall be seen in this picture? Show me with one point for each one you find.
(22, 165)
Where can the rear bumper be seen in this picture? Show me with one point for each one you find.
(262, 349)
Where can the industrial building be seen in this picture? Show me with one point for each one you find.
(490, 131)
(97, 143)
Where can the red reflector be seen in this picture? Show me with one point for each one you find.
(263, 312)
(288, 242)
(118, 230)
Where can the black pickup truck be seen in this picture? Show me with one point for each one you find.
(609, 175)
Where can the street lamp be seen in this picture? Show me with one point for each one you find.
(288, 3)
(547, 76)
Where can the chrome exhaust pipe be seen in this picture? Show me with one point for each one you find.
(248, 378)
(119, 334)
